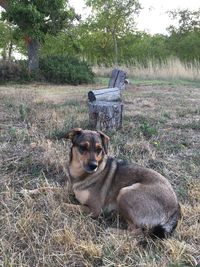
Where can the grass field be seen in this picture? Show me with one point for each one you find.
(170, 69)
(161, 130)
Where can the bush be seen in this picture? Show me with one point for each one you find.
(65, 69)
(55, 69)
(13, 71)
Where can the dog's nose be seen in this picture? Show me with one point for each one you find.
(92, 165)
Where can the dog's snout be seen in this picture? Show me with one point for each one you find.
(92, 165)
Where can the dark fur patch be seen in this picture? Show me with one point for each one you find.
(158, 232)
(163, 231)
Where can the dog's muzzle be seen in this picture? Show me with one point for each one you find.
(91, 167)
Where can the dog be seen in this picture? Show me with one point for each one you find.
(144, 198)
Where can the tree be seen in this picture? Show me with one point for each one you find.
(35, 19)
(187, 20)
(6, 41)
(114, 17)
(64, 43)
(184, 38)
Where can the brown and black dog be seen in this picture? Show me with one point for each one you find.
(144, 197)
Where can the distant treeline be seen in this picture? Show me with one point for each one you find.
(108, 36)
(139, 47)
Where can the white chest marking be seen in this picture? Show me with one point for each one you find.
(82, 195)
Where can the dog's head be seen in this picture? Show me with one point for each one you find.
(88, 148)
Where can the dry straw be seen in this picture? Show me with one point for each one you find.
(160, 131)
(171, 69)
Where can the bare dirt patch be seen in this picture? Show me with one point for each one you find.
(161, 130)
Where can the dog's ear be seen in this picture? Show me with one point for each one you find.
(73, 133)
(105, 141)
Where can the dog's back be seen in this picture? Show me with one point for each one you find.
(145, 198)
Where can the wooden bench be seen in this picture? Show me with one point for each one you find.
(105, 105)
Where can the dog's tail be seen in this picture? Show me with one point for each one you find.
(163, 231)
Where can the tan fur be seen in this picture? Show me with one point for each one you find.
(76, 169)
(144, 197)
(124, 190)
(82, 195)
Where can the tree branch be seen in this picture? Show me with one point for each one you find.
(4, 4)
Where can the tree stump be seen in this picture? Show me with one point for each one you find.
(106, 94)
(118, 79)
(105, 115)
(105, 105)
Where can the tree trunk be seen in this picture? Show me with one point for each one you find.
(4, 3)
(116, 49)
(10, 50)
(33, 54)
(105, 115)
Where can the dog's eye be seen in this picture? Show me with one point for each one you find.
(98, 150)
(83, 149)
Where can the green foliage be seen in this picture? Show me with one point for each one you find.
(97, 48)
(96, 37)
(7, 40)
(184, 39)
(65, 69)
(5, 34)
(34, 19)
(64, 43)
(142, 47)
(37, 18)
(185, 46)
(106, 37)
(188, 20)
(55, 69)
(115, 18)
(148, 130)
(13, 71)
(24, 111)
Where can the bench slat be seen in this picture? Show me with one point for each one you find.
(107, 94)
(113, 78)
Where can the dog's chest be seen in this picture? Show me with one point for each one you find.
(110, 207)
(82, 195)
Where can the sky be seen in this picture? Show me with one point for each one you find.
(153, 17)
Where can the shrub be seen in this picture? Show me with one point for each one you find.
(13, 71)
(65, 69)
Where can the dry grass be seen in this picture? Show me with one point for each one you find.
(161, 131)
(172, 69)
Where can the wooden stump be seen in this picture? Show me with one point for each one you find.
(106, 94)
(105, 106)
(118, 78)
(105, 115)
